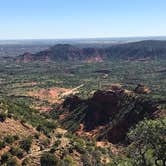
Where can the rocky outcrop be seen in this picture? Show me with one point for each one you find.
(116, 110)
(142, 89)
(72, 102)
(26, 57)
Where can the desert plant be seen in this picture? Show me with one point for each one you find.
(3, 116)
(9, 139)
(12, 162)
(26, 144)
(48, 159)
(26, 162)
(2, 144)
(5, 157)
(16, 152)
(68, 161)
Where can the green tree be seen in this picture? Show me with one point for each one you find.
(148, 143)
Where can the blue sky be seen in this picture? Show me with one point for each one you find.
(38, 19)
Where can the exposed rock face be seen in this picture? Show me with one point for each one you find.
(72, 102)
(100, 108)
(26, 57)
(62, 52)
(140, 110)
(114, 109)
(116, 87)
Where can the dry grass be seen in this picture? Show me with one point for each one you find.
(15, 127)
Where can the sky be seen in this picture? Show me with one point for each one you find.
(62, 19)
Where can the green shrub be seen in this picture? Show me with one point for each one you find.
(68, 161)
(43, 129)
(26, 162)
(9, 139)
(16, 137)
(37, 135)
(96, 157)
(55, 146)
(148, 143)
(46, 142)
(48, 159)
(26, 144)
(85, 158)
(12, 162)
(5, 157)
(50, 125)
(80, 141)
(119, 161)
(90, 148)
(79, 145)
(46, 127)
(57, 143)
(2, 144)
(17, 152)
(3, 116)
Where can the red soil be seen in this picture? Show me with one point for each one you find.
(52, 95)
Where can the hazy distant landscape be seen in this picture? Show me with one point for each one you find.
(18, 47)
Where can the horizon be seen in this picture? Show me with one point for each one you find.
(53, 19)
(88, 38)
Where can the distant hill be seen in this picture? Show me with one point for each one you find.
(142, 49)
(63, 52)
(133, 50)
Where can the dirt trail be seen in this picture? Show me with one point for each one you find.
(72, 91)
